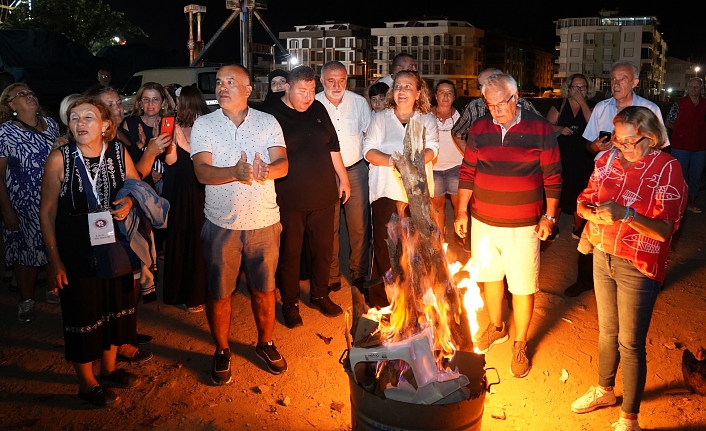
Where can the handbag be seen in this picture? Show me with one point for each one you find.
(106, 260)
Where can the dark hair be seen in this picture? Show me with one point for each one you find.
(112, 129)
(399, 58)
(300, 73)
(191, 105)
(445, 82)
(377, 89)
(94, 93)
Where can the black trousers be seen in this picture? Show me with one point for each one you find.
(317, 227)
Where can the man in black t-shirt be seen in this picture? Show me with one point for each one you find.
(308, 194)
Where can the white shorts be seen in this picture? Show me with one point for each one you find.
(511, 252)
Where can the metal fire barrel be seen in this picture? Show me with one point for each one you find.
(369, 412)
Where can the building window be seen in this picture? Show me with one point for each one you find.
(629, 37)
(415, 41)
(562, 67)
(319, 43)
(425, 41)
(293, 44)
(425, 55)
(588, 39)
(305, 57)
(628, 52)
(576, 37)
(375, 41)
(574, 52)
(329, 42)
(588, 68)
(305, 43)
(606, 67)
(404, 40)
(588, 54)
(329, 56)
(382, 41)
(437, 54)
(437, 40)
(459, 40)
(393, 42)
(573, 67)
(425, 69)
(437, 69)
(608, 38)
(607, 53)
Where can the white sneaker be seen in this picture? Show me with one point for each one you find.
(591, 400)
(24, 311)
(625, 424)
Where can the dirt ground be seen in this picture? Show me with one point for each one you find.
(38, 387)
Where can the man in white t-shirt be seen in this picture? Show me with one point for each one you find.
(237, 153)
(350, 115)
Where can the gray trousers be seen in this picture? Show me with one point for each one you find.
(357, 211)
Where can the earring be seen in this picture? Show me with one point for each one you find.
(14, 113)
(102, 133)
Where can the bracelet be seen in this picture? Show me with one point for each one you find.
(631, 217)
(550, 218)
(627, 213)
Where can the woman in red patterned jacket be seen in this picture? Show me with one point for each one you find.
(634, 203)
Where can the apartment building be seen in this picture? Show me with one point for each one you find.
(678, 74)
(314, 45)
(443, 49)
(591, 45)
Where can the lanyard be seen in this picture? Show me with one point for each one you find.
(87, 175)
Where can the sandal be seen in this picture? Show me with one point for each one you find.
(99, 396)
(197, 309)
(122, 377)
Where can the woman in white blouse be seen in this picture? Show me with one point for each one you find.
(407, 99)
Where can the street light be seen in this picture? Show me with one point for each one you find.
(696, 69)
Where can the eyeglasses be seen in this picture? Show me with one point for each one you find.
(501, 105)
(405, 88)
(104, 76)
(23, 93)
(154, 100)
(625, 145)
(579, 87)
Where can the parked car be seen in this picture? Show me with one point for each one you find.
(204, 78)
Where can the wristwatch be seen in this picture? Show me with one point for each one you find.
(550, 218)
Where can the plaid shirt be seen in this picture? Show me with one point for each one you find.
(476, 109)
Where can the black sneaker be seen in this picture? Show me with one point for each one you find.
(268, 353)
(99, 396)
(577, 289)
(326, 306)
(123, 378)
(334, 287)
(144, 339)
(291, 316)
(554, 235)
(220, 372)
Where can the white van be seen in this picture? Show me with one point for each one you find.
(204, 78)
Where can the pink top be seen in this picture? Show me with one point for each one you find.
(655, 187)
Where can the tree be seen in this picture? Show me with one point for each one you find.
(90, 23)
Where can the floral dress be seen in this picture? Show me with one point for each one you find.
(26, 154)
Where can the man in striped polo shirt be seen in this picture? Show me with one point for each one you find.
(510, 165)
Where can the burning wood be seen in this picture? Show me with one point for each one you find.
(427, 321)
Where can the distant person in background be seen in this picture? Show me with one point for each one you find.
(448, 162)
(26, 138)
(687, 119)
(185, 273)
(402, 61)
(172, 94)
(376, 96)
(275, 87)
(104, 77)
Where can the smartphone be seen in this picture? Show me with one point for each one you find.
(606, 135)
(167, 126)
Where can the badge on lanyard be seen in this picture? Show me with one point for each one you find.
(100, 228)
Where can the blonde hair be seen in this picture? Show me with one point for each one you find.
(590, 91)
(6, 113)
(423, 104)
(165, 109)
(645, 122)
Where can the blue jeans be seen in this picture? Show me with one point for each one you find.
(625, 299)
(692, 166)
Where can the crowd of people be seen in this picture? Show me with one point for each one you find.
(263, 191)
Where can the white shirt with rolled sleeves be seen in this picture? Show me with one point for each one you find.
(238, 205)
(350, 119)
(386, 134)
(603, 113)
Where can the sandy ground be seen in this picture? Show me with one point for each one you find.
(38, 387)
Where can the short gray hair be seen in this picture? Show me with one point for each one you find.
(697, 79)
(502, 80)
(333, 65)
(628, 65)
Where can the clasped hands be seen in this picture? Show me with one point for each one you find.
(246, 172)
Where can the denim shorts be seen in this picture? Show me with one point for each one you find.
(446, 182)
(224, 249)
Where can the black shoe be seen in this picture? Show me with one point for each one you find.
(144, 339)
(268, 353)
(99, 396)
(139, 356)
(554, 235)
(326, 306)
(359, 283)
(220, 372)
(334, 287)
(576, 289)
(292, 319)
(122, 377)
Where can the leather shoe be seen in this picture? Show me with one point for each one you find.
(122, 377)
(291, 316)
(139, 356)
(334, 287)
(576, 289)
(144, 339)
(326, 306)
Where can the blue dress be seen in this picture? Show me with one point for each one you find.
(26, 154)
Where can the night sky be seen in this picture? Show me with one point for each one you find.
(167, 26)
